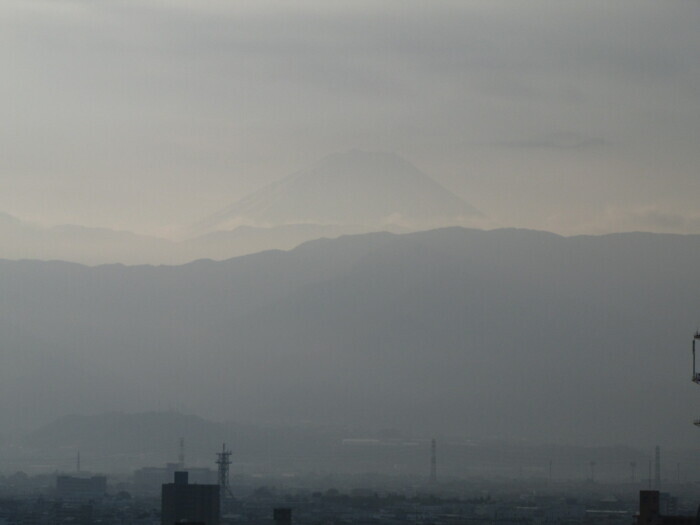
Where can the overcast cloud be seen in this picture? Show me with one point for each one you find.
(576, 117)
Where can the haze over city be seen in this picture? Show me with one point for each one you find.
(339, 235)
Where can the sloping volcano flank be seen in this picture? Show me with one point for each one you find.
(355, 187)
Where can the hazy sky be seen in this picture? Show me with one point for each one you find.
(150, 115)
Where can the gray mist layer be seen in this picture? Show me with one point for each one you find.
(508, 333)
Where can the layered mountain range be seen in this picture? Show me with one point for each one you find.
(345, 193)
(505, 333)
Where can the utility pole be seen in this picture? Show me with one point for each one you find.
(657, 468)
(433, 461)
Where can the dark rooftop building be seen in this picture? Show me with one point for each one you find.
(182, 502)
(282, 516)
(650, 511)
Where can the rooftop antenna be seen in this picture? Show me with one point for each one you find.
(224, 462)
(181, 454)
(696, 374)
(433, 461)
(657, 468)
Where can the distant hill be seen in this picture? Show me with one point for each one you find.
(37, 371)
(117, 441)
(507, 333)
(96, 246)
(154, 433)
(343, 194)
(351, 188)
(120, 442)
(23, 240)
(244, 240)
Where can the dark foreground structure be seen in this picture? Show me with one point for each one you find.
(182, 502)
(650, 511)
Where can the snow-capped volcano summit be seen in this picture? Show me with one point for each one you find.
(355, 187)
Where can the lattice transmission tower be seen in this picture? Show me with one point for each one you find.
(224, 462)
(696, 374)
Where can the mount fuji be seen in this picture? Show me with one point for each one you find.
(373, 189)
